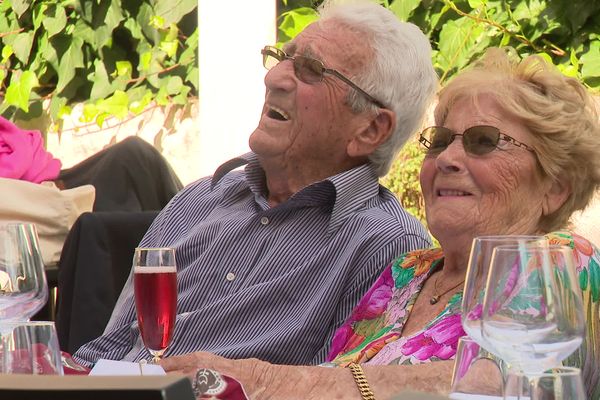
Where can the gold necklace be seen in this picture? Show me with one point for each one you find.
(436, 297)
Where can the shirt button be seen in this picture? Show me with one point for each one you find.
(230, 276)
(264, 220)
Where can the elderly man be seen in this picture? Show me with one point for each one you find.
(272, 258)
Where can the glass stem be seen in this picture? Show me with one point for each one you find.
(533, 388)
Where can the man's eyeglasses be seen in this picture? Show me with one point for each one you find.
(477, 140)
(309, 70)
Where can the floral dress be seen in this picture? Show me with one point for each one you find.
(372, 334)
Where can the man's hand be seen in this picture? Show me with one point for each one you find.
(250, 372)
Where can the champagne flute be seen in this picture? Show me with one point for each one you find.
(155, 288)
(533, 311)
(476, 278)
(23, 287)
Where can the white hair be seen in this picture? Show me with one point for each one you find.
(400, 74)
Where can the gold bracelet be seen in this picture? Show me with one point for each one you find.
(361, 381)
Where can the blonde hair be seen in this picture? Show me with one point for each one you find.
(556, 109)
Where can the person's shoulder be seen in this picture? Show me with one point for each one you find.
(386, 208)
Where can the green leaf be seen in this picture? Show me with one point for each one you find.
(38, 15)
(55, 20)
(69, 62)
(568, 70)
(22, 46)
(20, 6)
(172, 11)
(134, 28)
(101, 86)
(145, 59)
(404, 8)
(117, 104)
(193, 76)
(162, 98)
(100, 118)
(172, 33)
(293, 22)
(157, 22)
(90, 111)
(123, 68)
(144, 19)
(460, 41)
(103, 27)
(591, 61)
(20, 89)
(7, 51)
(174, 85)
(182, 97)
(64, 111)
(190, 52)
(169, 47)
(85, 32)
(475, 4)
(138, 106)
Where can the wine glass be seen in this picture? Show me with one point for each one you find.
(563, 383)
(155, 288)
(23, 287)
(476, 278)
(29, 347)
(533, 311)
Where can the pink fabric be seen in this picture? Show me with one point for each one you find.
(22, 155)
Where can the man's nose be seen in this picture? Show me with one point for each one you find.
(281, 76)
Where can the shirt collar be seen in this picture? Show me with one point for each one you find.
(350, 189)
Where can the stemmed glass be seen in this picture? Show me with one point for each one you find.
(23, 287)
(155, 288)
(476, 278)
(532, 315)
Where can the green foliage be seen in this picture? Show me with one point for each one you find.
(115, 56)
(403, 179)
(565, 32)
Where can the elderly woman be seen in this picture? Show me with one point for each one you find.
(515, 150)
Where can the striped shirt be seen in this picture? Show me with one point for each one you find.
(271, 283)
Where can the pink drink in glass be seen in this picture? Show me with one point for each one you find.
(156, 303)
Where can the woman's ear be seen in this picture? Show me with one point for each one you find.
(556, 195)
(377, 132)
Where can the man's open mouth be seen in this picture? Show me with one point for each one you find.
(277, 113)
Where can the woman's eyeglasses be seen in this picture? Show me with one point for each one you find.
(477, 140)
(309, 70)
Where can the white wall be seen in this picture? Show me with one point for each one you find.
(231, 75)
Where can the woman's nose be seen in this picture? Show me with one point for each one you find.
(452, 158)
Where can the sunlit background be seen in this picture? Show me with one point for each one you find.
(231, 75)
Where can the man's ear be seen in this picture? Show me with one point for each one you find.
(556, 195)
(377, 131)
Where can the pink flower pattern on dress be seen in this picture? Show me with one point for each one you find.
(379, 341)
(439, 340)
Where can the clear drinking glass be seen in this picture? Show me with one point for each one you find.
(556, 384)
(477, 274)
(23, 287)
(533, 310)
(29, 347)
(155, 288)
(476, 371)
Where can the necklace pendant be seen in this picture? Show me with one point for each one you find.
(434, 299)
